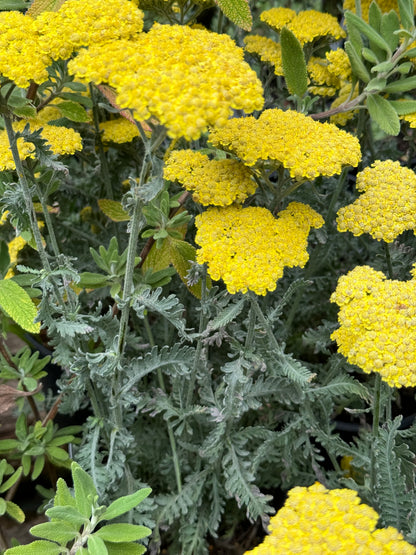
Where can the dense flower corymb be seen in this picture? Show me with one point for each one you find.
(384, 5)
(388, 205)
(267, 50)
(119, 130)
(80, 23)
(213, 182)
(378, 324)
(248, 247)
(21, 56)
(307, 148)
(319, 521)
(307, 25)
(187, 78)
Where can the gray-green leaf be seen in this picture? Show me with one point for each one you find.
(125, 504)
(293, 62)
(383, 113)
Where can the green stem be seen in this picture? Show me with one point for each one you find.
(376, 424)
(171, 435)
(252, 319)
(202, 324)
(258, 311)
(388, 260)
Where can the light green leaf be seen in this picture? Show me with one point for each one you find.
(374, 16)
(125, 504)
(383, 67)
(383, 113)
(406, 10)
(182, 254)
(389, 23)
(125, 548)
(28, 111)
(39, 6)
(3, 506)
(404, 107)
(85, 491)
(17, 304)
(357, 64)
(354, 21)
(63, 496)
(38, 467)
(39, 547)
(238, 11)
(57, 453)
(293, 62)
(67, 514)
(96, 546)
(15, 511)
(403, 85)
(113, 210)
(60, 532)
(8, 444)
(123, 532)
(369, 55)
(10, 5)
(376, 84)
(11, 480)
(73, 111)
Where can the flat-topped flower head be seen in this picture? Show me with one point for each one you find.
(119, 130)
(21, 57)
(329, 74)
(266, 49)
(307, 25)
(377, 320)
(316, 520)
(212, 182)
(387, 206)
(187, 78)
(248, 248)
(307, 148)
(80, 23)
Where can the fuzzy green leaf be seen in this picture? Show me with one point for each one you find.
(364, 28)
(67, 514)
(389, 23)
(60, 532)
(238, 11)
(383, 113)
(11, 480)
(63, 496)
(39, 6)
(28, 111)
(38, 466)
(39, 547)
(403, 85)
(374, 16)
(124, 504)
(113, 210)
(73, 111)
(8, 444)
(182, 254)
(406, 10)
(293, 62)
(85, 491)
(403, 107)
(357, 64)
(125, 548)
(96, 546)
(17, 304)
(15, 511)
(122, 532)
(376, 84)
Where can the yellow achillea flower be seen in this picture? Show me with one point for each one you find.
(216, 182)
(248, 248)
(410, 118)
(119, 131)
(80, 23)
(378, 324)
(62, 140)
(187, 78)
(307, 25)
(330, 73)
(388, 205)
(316, 520)
(307, 148)
(267, 49)
(384, 5)
(21, 56)
(14, 248)
(26, 150)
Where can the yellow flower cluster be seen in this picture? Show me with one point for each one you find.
(378, 324)
(62, 140)
(80, 23)
(307, 25)
(248, 248)
(388, 205)
(267, 49)
(384, 5)
(187, 78)
(119, 130)
(213, 182)
(330, 73)
(14, 248)
(410, 118)
(307, 148)
(21, 56)
(318, 521)
(26, 150)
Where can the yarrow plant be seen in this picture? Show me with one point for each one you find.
(175, 192)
